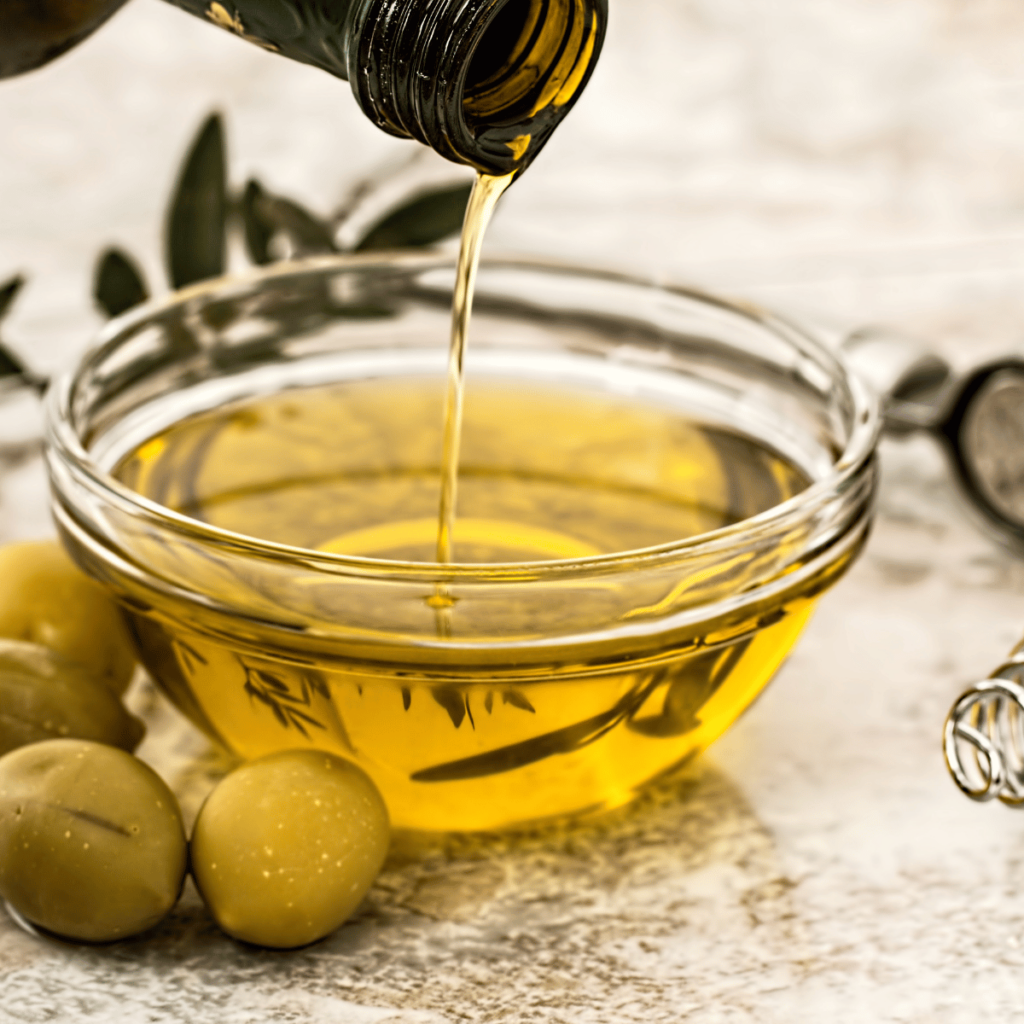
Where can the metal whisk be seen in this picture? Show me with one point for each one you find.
(978, 418)
(983, 739)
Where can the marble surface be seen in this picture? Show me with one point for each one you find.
(849, 161)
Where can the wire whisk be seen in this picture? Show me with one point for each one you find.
(983, 739)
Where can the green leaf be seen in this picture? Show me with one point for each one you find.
(423, 220)
(267, 216)
(258, 229)
(119, 284)
(452, 700)
(538, 748)
(518, 700)
(8, 292)
(197, 217)
(10, 364)
(691, 685)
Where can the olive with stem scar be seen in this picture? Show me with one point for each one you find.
(92, 845)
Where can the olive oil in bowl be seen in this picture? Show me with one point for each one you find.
(654, 488)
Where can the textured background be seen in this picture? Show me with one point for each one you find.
(852, 161)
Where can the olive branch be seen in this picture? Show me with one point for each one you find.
(203, 213)
(271, 690)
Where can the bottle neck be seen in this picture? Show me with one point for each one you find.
(483, 82)
(311, 31)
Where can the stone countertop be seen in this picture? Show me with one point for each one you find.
(851, 162)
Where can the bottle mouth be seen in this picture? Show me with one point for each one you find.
(484, 83)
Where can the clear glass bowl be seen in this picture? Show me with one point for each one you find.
(680, 478)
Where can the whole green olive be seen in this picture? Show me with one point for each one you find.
(285, 847)
(43, 697)
(92, 845)
(48, 600)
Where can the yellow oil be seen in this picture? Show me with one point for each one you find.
(458, 738)
(487, 190)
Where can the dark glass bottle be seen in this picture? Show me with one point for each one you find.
(483, 82)
(33, 32)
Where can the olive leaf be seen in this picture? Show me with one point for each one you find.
(197, 216)
(119, 284)
(274, 692)
(537, 748)
(455, 702)
(423, 220)
(190, 656)
(10, 365)
(518, 700)
(266, 217)
(164, 662)
(514, 697)
(257, 226)
(691, 685)
(8, 292)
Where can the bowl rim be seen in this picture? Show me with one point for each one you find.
(65, 448)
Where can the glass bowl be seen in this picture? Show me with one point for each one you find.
(655, 487)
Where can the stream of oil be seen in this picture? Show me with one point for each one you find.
(487, 190)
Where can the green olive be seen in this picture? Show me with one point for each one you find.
(48, 600)
(43, 697)
(285, 847)
(92, 845)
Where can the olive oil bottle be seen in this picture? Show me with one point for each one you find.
(34, 32)
(483, 82)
